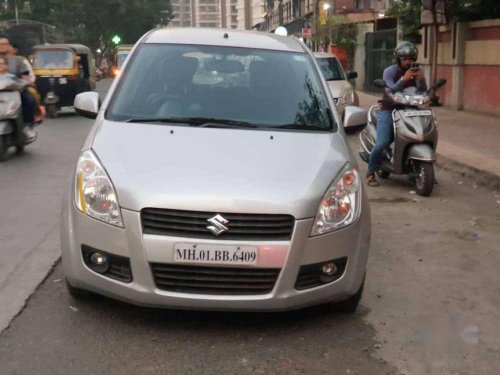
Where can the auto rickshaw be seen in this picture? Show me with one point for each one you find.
(119, 55)
(62, 71)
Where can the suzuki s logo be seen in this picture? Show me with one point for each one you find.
(218, 225)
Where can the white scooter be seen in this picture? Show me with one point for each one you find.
(12, 132)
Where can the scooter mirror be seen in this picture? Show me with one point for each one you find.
(380, 83)
(440, 82)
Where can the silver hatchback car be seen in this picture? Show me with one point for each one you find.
(216, 177)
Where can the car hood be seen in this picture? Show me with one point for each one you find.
(337, 88)
(222, 170)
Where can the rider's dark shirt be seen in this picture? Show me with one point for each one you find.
(392, 77)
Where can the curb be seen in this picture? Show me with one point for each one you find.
(481, 177)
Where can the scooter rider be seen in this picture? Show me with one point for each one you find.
(19, 67)
(397, 78)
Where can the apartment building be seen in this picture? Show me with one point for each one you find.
(232, 14)
(181, 12)
(229, 13)
(250, 13)
(206, 13)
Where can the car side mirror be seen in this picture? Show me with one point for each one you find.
(87, 104)
(354, 116)
(352, 75)
(440, 83)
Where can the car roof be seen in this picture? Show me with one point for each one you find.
(321, 55)
(217, 37)
(78, 48)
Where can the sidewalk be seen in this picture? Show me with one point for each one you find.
(469, 143)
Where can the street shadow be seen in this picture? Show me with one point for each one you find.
(168, 319)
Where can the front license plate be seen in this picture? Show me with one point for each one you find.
(418, 113)
(215, 254)
(63, 81)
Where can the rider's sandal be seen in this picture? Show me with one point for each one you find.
(371, 180)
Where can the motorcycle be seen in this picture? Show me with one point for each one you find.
(12, 128)
(413, 151)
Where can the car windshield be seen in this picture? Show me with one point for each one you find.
(250, 87)
(55, 59)
(122, 55)
(331, 69)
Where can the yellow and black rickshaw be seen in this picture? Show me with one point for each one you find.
(119, 55)
(62, 71)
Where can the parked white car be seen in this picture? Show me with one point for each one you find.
(235, 193)
(338, 82)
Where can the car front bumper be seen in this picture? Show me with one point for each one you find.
(142, 250)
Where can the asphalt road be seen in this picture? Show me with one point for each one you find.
(430, 304)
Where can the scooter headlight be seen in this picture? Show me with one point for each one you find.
(399, 98)
(341, 204)
(95, 194)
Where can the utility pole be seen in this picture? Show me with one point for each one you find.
(17, 12)
(315, 23)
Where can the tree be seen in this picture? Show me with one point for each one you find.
(408, 14)
(95, 22)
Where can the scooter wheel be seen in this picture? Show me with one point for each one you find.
(51, 111)
(382, 173)
(424, 178)
(3, 149)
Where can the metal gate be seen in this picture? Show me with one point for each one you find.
(379, 47)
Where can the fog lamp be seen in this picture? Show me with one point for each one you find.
(99, 262)
(329, 269)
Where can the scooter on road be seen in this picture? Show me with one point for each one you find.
(13, 132)
(413, 151)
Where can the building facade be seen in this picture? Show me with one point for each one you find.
(250, 13)
(229, 13)
(181, 12)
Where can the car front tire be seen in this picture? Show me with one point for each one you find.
(77, 293)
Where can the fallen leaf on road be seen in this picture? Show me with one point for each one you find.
(73, 308)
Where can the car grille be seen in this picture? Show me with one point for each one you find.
(193, 224)
(214, 280)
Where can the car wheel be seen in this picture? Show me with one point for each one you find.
(77, 293)
(3, 148)
(350, 305)
(19, 149)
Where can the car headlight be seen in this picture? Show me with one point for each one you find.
(341, 204)
(348, 97)
(95, 195)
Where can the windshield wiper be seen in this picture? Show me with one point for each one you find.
(196, 121)
(300, 127)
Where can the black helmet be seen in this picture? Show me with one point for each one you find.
(406, 49)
